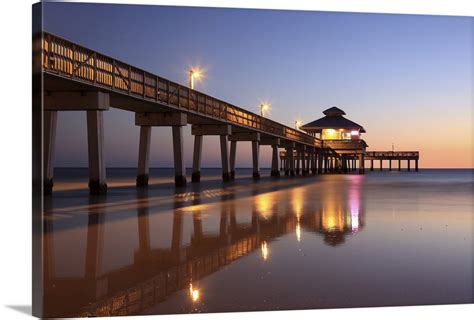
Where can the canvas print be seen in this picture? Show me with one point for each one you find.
(190, 160)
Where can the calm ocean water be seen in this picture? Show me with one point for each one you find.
(328, 241)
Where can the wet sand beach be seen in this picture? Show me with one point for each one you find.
(327, 241)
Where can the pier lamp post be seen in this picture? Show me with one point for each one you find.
(193, 74)
(263, 108)
(297, 124)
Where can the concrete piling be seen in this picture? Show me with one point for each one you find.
(225, 158)
(143, 156)
(275, 172)
(197, 155)
(49, 142)
(255, 158)
(178, 153)
(95, 139)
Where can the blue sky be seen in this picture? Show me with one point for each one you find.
(406, 78)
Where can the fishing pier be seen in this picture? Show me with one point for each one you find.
(70, 77)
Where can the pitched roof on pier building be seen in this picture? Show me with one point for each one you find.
(333, 119)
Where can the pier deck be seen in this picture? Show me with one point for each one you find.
(393, 155)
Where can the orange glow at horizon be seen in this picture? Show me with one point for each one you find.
(445, 149)
(438, 124)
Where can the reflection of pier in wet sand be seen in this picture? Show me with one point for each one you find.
(157, 273)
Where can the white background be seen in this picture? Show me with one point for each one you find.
(15, 154)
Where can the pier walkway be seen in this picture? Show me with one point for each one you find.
(333, 163)
(393, 155)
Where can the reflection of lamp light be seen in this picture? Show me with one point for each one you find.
(264, 250)
(194, 293)
(298, 231)
(297, 201)
(354, 203)
(355, 221)
(264, 203)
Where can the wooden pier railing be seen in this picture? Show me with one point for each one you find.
(392, 155)
(68, 60)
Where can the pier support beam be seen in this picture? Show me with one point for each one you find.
(275, 172)
(49, 142)
(389, 165)
(254, 138)
(309, 160)
(178, 152)
(95, 143)
(371, 165)
(303, 162)
(361, 163)
(274, 143)
(291, 161)
(344, 163)
(381, 165)
(225, 158)
(408, 164)
(320, 161)
(287, 163)
(197, 155)
(94, 103)
(302, 153)
(144, 156)
(325, 163)
(233, 154)
(416, 165)
(298, 161)
(399, 165)
(255, 155)
(175, 120)
(223, 131)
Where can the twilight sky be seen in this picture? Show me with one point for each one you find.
(407, 79)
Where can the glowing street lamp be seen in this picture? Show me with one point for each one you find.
(264, 108)
(193, 74)
(297, 124)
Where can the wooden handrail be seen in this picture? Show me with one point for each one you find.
(67, 59)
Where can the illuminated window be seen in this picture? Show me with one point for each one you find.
(331, 134)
